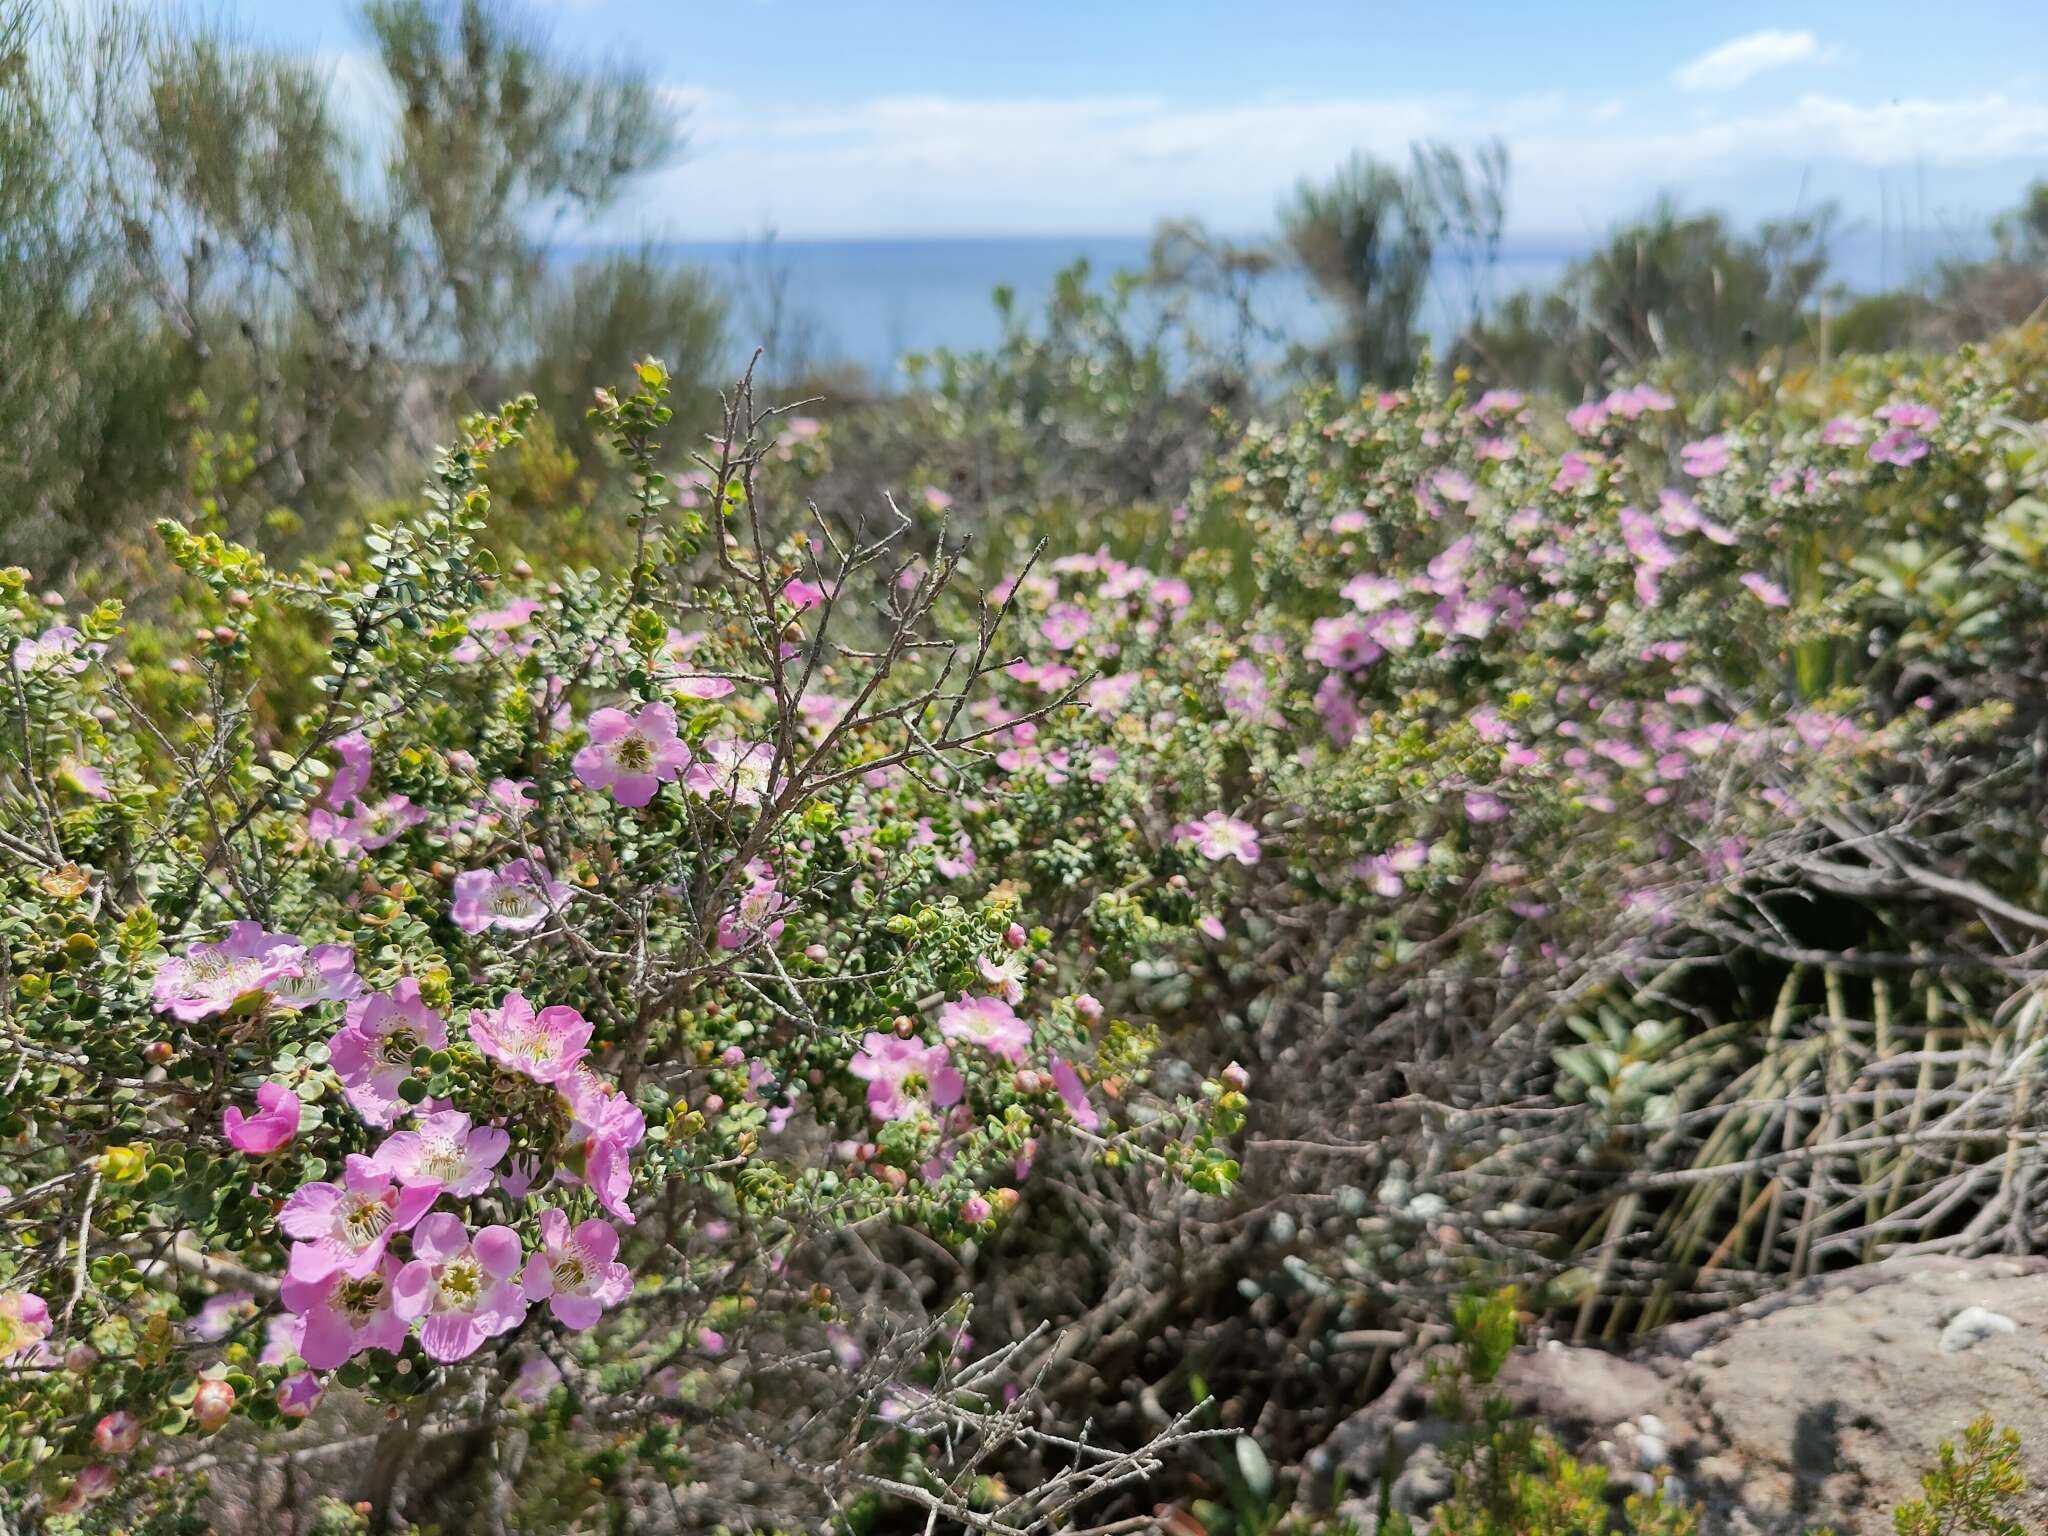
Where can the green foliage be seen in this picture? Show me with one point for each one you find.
(1673, 291)
(1970, 1492)
(201, 253)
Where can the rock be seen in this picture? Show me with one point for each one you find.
(1820, 1406)
(1973, 1325)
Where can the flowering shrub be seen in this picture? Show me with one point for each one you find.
(584, 923)
(673, 1011)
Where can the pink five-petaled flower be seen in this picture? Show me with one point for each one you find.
(24, 1322)
(327, 974)
(545, 1046)
(904, 1075)
(275, 1122)
(372, 1052)
(1342, 643)
(57, 649)
(1900, 446)
(343, 1315)
(343, 1228)
(517, 898)
(1074, 1094)
(989, 1022)
(604, 1126)
(576, 1271)
(377, 826)
(1217, 836)
(1483, 808)
(744, 771)
(445, 1149)
(632, 755)
(758, 914)
(211, 978)
(1064, 626)
(464, 1287)
(1705, 458)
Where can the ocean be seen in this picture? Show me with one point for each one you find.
(870, 302)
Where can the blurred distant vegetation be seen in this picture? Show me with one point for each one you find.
(230, 282)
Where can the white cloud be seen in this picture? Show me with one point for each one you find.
(1742, 60)
(911, 165)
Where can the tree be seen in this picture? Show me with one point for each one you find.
(1369, 239)
(1670, 289)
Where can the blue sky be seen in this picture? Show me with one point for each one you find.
(842, 118)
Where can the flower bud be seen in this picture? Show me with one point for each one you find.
(116, 1434)
(1235, 1076)
(974, 1210)
(212, 1404)
(80, 1358)
(157, 1052)
(1014, 936)
(1088, 1007)
(298, 1395)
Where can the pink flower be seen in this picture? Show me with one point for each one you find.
(341, 1315)
(536, 1379)
(463, 1286)
(57, 649)
(352, 777)
(1909, 413)
(1342, 643)
(1369, 593)
(989, 1022)
(545, 1046)
(344, 1228)
(1900, 446)
(221, 1314)
(632, 755)
(1339, 710)
(24, 1322)
(605, 1126)
(1842, 430)
(372, 1052)
(275, 1123)
(801, 594)
(1065, 626)
(517, 898)
(757, 915)
(1217, 837)
(1483, 808)
(327, 974)
(82, 778)
(1767, 592)
(740, 770)
(1574, 473)
(1074, 1094)
(447, 1151)
(299, 1395)
(903, 1075)
(513, 795)
(371, 826)
(576, 1272)
(1705, 458)
(212, 978)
